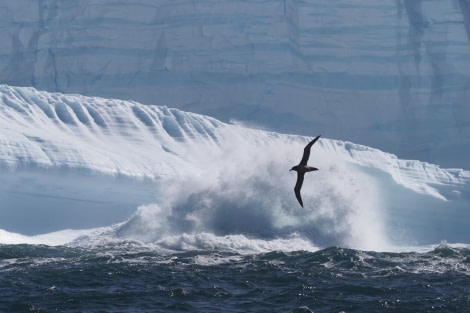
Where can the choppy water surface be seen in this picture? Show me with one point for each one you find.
(129, 277)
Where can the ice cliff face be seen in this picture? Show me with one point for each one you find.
(388, 74)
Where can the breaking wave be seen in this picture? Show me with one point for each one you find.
(254, 200)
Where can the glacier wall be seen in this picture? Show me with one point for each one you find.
(388, 74)
(173, 177)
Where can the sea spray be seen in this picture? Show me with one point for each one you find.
(251, 194)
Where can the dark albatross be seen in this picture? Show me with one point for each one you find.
(303, 168)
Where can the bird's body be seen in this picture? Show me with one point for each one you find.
(303, 168)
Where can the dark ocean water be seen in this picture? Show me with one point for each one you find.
(130, 278)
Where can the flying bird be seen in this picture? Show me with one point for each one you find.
(303, 168)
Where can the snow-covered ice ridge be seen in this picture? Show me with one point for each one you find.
(116, 137)
(76, 162)
(388, 74)
(102, 135)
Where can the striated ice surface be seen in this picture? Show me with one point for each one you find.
(387, 74)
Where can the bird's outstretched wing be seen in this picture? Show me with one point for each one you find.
(307, 151)
(298, 185)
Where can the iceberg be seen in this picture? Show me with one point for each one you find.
(152, 173)
(387, 74)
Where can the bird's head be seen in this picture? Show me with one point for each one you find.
(294, 168)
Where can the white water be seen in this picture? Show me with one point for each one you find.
(179, 180)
